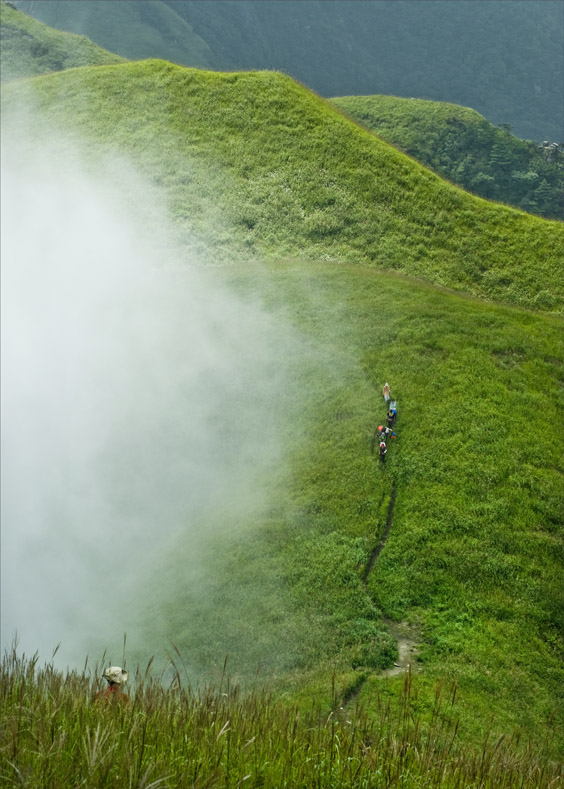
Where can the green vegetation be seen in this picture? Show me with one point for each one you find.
(462, 146)
(323, 221)
(503, 59)
(255, 164)
(474, 555)
(216, 737)
(30, 47)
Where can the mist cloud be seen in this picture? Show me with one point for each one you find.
(137, 394)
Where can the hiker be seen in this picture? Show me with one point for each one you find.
(382, 451)
(116, 677)
(381, 432)
(390, 419)
(394, 407)
(386, 393)
(388, 433)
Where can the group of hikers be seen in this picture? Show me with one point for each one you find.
(386, 432)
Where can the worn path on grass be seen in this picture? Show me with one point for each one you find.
(405, 634)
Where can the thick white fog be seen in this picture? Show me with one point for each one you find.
(137, 394)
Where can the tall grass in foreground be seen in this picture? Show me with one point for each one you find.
(57, 734)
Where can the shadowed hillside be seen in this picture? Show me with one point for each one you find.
(30, 47)
(504, 59)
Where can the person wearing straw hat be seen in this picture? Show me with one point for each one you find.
(116, 677)
(386, 393)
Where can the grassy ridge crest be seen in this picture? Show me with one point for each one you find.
(462, 146)
(292, 176)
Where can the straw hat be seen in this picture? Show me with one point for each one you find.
(115, 675)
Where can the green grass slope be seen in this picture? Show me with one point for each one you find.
(465, 148)
(473, 556)
(30, 47)
(290, 175)
(58, 734)
(459, 537)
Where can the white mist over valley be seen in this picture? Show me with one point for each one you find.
(137, 395)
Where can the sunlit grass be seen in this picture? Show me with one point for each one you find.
(254, 164)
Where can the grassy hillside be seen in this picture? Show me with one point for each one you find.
(473, 558)
(471, 566)
(257, 164)
(456, 542)
(30, 47)
(217, 738)
(465, 148)
(503, 59)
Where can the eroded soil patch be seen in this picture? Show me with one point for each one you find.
(408, 637)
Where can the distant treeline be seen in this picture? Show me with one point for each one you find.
(505, 60)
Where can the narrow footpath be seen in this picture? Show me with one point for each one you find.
(406, 635)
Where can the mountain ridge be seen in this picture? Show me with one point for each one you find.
(290, 173)
(462, 146)
(504, 60)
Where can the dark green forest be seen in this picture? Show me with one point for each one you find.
(503, 59)
(465, 148)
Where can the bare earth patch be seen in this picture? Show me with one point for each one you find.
(408, 638)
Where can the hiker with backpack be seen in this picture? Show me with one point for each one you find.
(382, 451)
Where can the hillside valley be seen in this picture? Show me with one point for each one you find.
(455, 142)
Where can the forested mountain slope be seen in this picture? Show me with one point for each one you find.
(292, 175)
(504, 59)
(30, 47)
(465, 148)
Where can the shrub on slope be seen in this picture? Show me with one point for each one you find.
(256, 163)
(30, 47)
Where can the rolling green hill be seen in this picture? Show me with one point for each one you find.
(503, 59)
(288, 174)
(386, 272)
(30, 48)
(462, 146)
